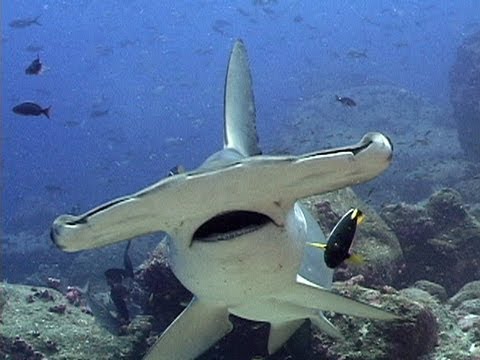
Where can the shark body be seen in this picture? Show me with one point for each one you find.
(237, 231)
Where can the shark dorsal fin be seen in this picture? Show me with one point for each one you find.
(240, 130)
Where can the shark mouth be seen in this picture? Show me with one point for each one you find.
(229, 225)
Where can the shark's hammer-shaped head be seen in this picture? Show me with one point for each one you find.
(237, 233)
(183, 204)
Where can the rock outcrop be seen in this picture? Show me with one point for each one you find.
(439, 239)
(465, 90)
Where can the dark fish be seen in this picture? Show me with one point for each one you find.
(35, 68)
(118, 294)
(127, 262)
(31, 109)
(264, 2)
(400, 44)
(127, 42)
(115, 275)
(243, 12)
(298, 19)
(72, 123)
(207, 51)
(356, 54)
(220, 26)
(54, 189)
(423, 142)
(104, 50)
(268, 11)
(370, 192)
(117, 140)
(101, 311)
(23, 23)
(118, 291)
(98, 113)
(179, 169)
(44, 92)
(339, 242)
(346, 101)
(34, 48)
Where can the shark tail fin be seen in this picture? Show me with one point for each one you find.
(240, 130)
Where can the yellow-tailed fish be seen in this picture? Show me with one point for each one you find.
(339, 242)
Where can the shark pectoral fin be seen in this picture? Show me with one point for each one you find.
(197, 328)
(326, 326)
(281, 332)
(316, 297)
(313, 265)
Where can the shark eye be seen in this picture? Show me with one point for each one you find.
(229, 225)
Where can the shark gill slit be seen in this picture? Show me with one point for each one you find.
(231, 224)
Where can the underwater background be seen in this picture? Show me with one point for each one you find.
(136, 88)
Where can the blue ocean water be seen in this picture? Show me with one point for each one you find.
(136, 87)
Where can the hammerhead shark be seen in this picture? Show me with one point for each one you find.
(237, 231)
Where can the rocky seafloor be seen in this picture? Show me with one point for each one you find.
(434, 327)
(440, 320)
(40, 323)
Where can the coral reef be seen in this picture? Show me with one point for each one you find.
(30, 330)
(465, 87)
(429, 328)
(167, 296)
(454, 341)
(439, 239)
(410, 338)
(436, 290)
(3, 300)
(19, 349)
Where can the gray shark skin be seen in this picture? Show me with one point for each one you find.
(237, 231)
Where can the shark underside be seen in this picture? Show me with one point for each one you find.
(237, 231)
